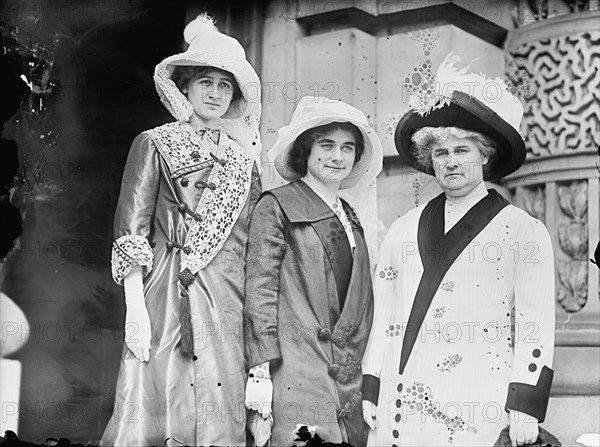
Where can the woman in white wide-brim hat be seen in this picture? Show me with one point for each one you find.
(181, 230)
(309, 302)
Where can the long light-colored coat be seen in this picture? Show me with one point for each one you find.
(292, 314)
(174, 398)
(455, 384)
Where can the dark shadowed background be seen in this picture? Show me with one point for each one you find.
(89, 66)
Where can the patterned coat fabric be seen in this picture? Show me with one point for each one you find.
(490, 324)
(293, 318)
(172, 398)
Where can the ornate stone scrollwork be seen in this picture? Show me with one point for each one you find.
(537, 10)
(573, 238)
(557, 81)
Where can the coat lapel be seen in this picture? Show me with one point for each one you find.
(438, 253)
(302, 205)
(357, 294)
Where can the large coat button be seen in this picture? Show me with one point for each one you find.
(324, 334)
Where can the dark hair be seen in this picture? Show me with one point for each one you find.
(298, 156)
(183, 74)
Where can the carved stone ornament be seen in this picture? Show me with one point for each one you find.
(557, 81)
(573, 239)
(534, 202)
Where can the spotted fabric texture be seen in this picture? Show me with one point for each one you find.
(219, 208)
(449, 363)
(394, 331)
(128, 252)
(420, 398)
(336, 232)
(388, 273)
(338, 209)
(448, 286)
(439, 312)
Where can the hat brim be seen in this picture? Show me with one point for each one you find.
(465, 112)
(365, 167)
(241, 69)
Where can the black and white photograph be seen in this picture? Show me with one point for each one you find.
(300, 223)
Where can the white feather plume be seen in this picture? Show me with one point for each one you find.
(493, 92)
(201, 24)
(450, 78)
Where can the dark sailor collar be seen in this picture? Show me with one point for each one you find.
(439, 251)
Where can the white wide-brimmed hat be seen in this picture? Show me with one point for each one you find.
(314, 111)
(209, 47)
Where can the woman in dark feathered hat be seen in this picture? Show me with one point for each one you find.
(442, 366)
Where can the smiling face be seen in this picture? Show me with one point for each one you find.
(210, 94)
(332, 156)
(458, 165)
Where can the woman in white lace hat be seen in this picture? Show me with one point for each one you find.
(181, 229)
(309, 302)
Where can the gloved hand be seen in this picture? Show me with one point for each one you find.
(523, 428)
(137, 321)
(259, 390)
(369, 409)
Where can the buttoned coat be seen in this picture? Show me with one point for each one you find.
(174, 399)
(296, 252)
(486, 341)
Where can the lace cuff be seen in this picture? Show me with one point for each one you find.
(127, 252)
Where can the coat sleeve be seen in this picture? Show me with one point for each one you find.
(384, 293)
(255, 189)
(266, 250)
(135, 209)
(531, 380)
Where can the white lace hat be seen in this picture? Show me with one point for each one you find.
(314, 111)
(209, 47)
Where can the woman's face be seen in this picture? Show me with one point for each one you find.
(458, 165)
(332, 156)
(210, 95)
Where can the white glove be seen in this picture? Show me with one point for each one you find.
(369, 409)
(259, 390)
(137, 321)
(523, 428)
